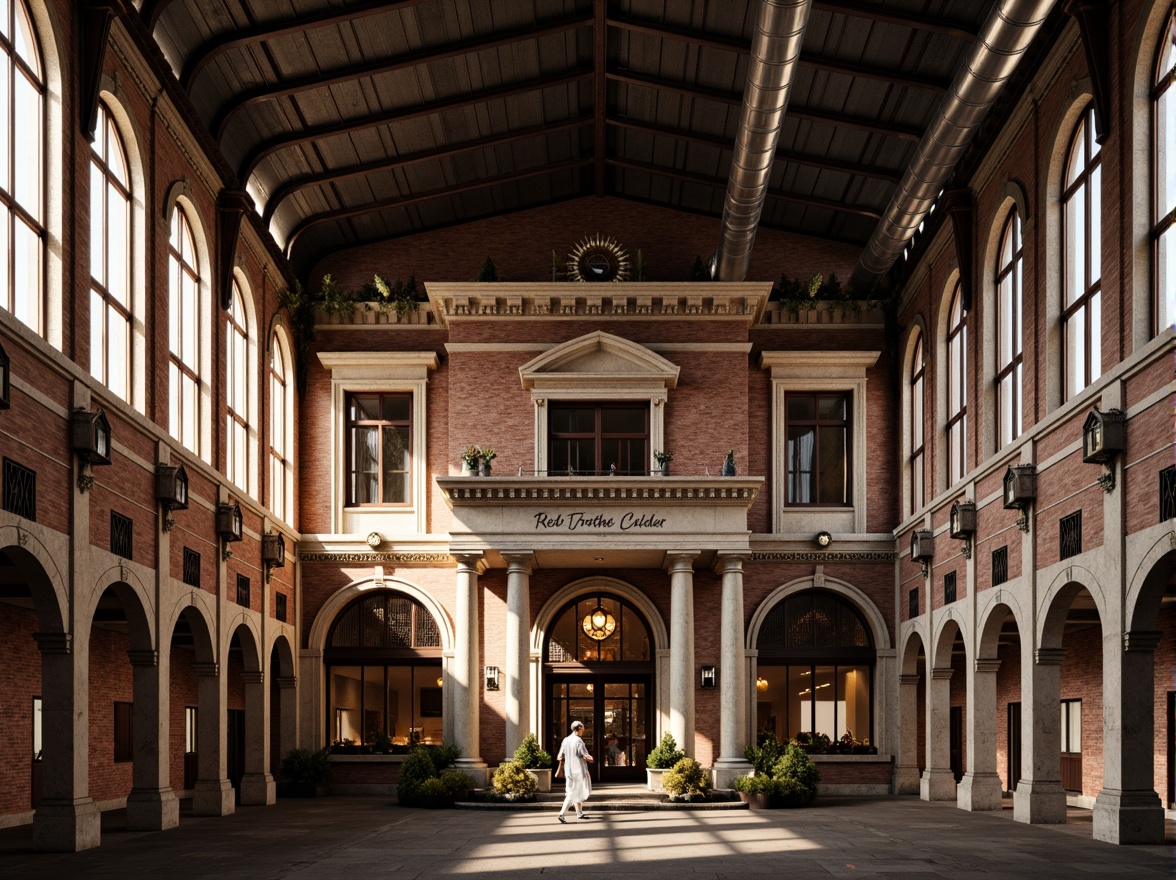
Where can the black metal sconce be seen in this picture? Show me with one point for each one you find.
(923, 548)
(963, 524)
(90, 439)
(1020, 491)
(1104, 436)
(171, 491)
(228, 526)
(273, 553)
(491, 678)
(707, 677)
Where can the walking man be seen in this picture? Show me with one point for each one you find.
(573, 764)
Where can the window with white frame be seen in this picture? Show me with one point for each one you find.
(281, 421)
(818, 461)
(237, 373)
(1071, 726)
(184, 367)
(379, 448)
(1009, 277)
(957, 388)
(22, 172)
(917, 426)
(110, 258)
(1082, 259)
(1164, 227)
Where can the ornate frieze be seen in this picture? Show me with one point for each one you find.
(825, 556)
(356, 558)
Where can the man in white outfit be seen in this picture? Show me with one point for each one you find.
(573, 763)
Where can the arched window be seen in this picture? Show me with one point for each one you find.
(184, 333)
(918, 434)
(22, 171)
(1082, 260)
(816, 669)
(281, 421)
(1164, 126)
(110, 259)
(383, 659)
(957, 388)
(237, 373)
(1009, 275)
(598, 629)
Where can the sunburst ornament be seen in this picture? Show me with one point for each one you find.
(598, 259)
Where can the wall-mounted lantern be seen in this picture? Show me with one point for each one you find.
(228, 525)
(963, 524)
(273, 553)
(90, 439)
(707, 677)
(1020, 491)
(171, 491)
(5, 376)
(491, 678)
(923, 547)
(1104, 436)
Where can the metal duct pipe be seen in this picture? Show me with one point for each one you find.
(1010, 28)
(775, 50)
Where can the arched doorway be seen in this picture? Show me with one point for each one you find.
(815, 669)
(599, 668)
(383, 671)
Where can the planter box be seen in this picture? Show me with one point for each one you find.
(654, 779)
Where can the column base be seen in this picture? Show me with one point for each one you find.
(906, 779)
(727, 770)
(152, 809)
(476, 768)
(937, 785)
(258, 789)
(1128, 817)
(1039, 803)
(213, 797)
(67, 826)
(979, 791)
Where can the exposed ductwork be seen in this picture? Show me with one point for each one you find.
(775, 51)
(1006, 35)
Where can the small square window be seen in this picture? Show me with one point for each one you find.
(1000, 565)
(191, 567)
(20, 490)
(280, 606)
(122, 531)
(949, 588)
(242, 590)
(1070, 535)
(913, 604)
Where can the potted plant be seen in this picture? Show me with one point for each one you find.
(665, 756)
(729, 464)
(535, 760)
(663, 460)
(512, 782)
(756, 791)
(486, 454)
(791, 781)
(469, 461)
(686, 781)
(306, 773)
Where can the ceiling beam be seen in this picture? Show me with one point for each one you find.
(890, 15)
(285, 87)
(199, 58)
(809, 60)
(350, 126)
(839, 120)
(442, 192)
(383, 165)
(600, 89)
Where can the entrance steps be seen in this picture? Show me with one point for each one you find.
(608, 799)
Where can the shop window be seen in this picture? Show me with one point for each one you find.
(1082, 259)
(379, 449)
(587, 439)
(20, 490)
(818, 448)
(957, 388)
(124, 732)
(1164, 176)
(1009, 277)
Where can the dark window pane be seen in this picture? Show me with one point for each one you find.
(834, 483)
(567, 420)
(800, 465)
(623, 421)
(832, 408)
(364, 463)
(365, 409)
(801, 408)
(397, 408)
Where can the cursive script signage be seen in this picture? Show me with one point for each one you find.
(583, 521)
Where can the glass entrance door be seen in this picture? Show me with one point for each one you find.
(615, 715)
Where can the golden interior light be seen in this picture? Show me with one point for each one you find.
(761, 684)
(599, 624)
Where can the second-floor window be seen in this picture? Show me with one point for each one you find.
(957, 388)
(1164, 126)
(183, 334)
(601, 438)
(379, 448)
(818, 466)
(281, 468)
(237, 374)
(1082, 260)
(918, 435)
(110, 259)
(1008, 332)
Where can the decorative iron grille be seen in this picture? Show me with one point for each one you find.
(122, 535)
(280, 606)
(949, 588)
(913, 604)
(1167, 493)
(1070, 535)
(20, 490)
(191, 567)
(1000, 565)
(385, 621)
(813, 619)
(242, 590)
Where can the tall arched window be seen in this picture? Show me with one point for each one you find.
(184, 368)
(281, 417)
(1082, 260)
(1164, 126)
(957, 388)
(918, 434)
(1009, 275)
(110, 259)
(816, 669)
(237, 373)
(22, 171)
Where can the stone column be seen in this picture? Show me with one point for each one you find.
(938, 782)
(518, 648)
(681, 568)
(213, 794)
(980, 789)
(257, 783)
(906, 768)
(1040, 798)
(1128, 810)
(467, 669)
(287, 717)
(67, 820)
(152, 805)
(733, 683)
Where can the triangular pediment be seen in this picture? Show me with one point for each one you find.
(599, 358)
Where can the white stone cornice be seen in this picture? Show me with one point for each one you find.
(377, 364)
(796, 364)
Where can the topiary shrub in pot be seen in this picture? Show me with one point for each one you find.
(796, 776)
(306, 773)
(536, 760)
(416, 769)
(665, 756)
(686, 781)
(433, 794)
(756, 791)
(512, 782)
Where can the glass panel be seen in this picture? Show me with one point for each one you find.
(364, 465)
(395, 465)
(1167, 277)
(1075, 246)
(561, 647)
(854, 699)
(190, 321)
(1007, 427)
(635, 640)
(346, 703)
(400, 704)
(801, 408)
(1095, 336)
(118, 245)
(428, 700)
(1076, 352)
(1094, 270)
(622, 421)
(27, 271)
(586, 648)
(566, 420)
(364, 409)
(917, 413)
(98, 225)
(799, 700)
(832, 408)
(26, 187)
(97, 336)
(824, 701)
(1166, 152)
(373, 702)
(800, 465)
(8, 135)
(610, 648)
(26, 45)
(397, 408)
(834, 477)
(639, 745)
(1077, 154)
(120, 353)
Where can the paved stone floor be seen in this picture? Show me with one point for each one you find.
(349, 838)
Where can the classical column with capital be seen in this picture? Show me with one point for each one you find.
(681, 568)
(518, 648)
(152, 805)
(980, 789)
(467, 671)
(1040, 798)
(938, 782)
(733, 709)
(257, 785)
